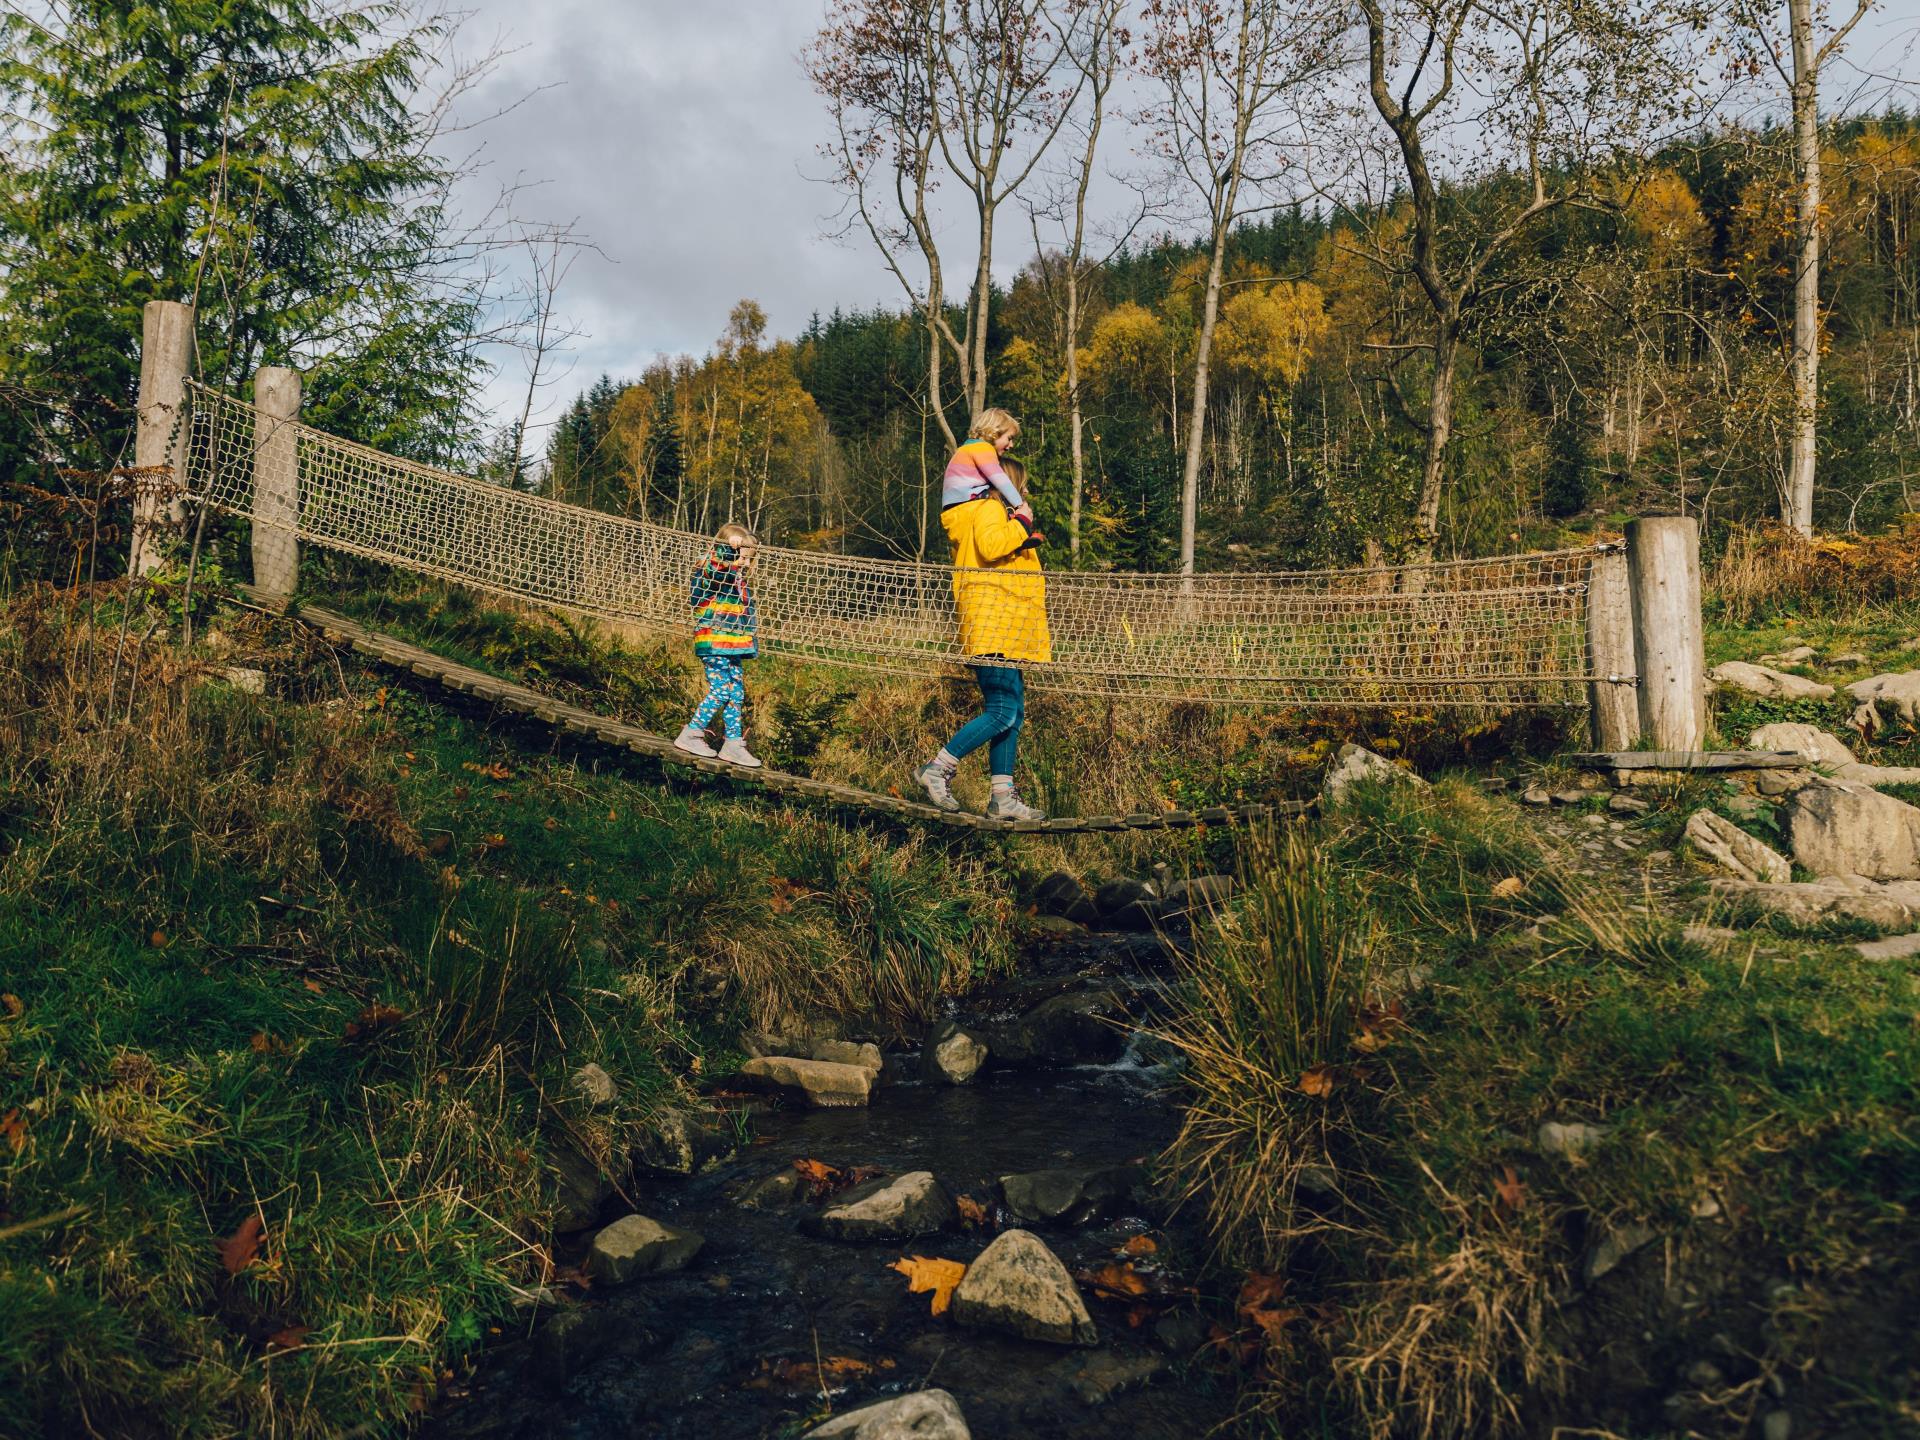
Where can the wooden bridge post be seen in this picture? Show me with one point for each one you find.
(166, 347)
(1612, 704)
(276, 482)
(1669, 647)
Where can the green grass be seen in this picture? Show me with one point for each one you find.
(1779, 1080)
(327, 959)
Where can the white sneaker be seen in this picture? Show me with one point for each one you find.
(938, 785)
(694, 742)
(735, 752)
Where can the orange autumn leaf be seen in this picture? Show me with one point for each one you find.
(14, 1129)
(12, 1003)
(820, 1176)
(373, 1019)
(291, 1338)
(1317, 1082)
(1115, 1280)
(240, 1249)
(1139, 1245)
(831, 1372)
(495, 771)
(939, 1276)
(1509, 1192)
(972, 1211)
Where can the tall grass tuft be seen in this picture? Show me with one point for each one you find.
(1270, 1006)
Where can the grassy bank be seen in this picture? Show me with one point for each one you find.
(293, 985)
(1404, 999)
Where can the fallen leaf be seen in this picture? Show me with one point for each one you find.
(439, 844)
(240, 1249)
(260, 1043)
(1509, 1192)
(612, 814)
(15, 1129)
(1139, 1245)
(1317, 1081)
(1115, 1280)
(972, 1211)
(1260, 1291)
(158, 939)
(551, 823)
(494, 841)
(373, 1019)
(939, 1276)
(291, 1338)
(809, 1373)
(315, 986)
(493, 771)
(13, 1006)
(1509, 887)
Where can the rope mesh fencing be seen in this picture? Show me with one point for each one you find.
(1510, 631)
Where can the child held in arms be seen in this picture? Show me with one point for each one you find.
(1001, 600)
(723, 638)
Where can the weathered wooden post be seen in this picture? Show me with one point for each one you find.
(276, 482)
(1669, 648)
(166, 348)
(1612, 705)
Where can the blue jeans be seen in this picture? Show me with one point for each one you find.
(1004, 693)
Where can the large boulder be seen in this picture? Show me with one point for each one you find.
(1355, 765)
(594, 1085)
(761, 1044)
(634, 1245)
(1810, 740)
(1058, 892)
(1018, 1285)
(890, 1208)
(1766, 683)
(1072, 1196)
(1844, 828)
(923, 1415)
(1078, 1028)
(1202, 892)
(823, 1084)
(951, 1056)
(1731, 848)
(1884, 699)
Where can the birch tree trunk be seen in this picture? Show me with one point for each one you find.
(1806, 278)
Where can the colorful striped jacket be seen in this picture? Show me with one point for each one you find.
(723, 615)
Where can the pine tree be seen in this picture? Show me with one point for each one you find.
(663, 462)
(1569, 463)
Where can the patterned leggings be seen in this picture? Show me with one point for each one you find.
(726, 692)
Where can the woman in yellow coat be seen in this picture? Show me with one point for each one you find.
(1001, 598)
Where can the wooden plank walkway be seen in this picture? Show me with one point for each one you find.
(411, 658)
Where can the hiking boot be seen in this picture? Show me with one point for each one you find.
(735, 752)
(939, 786)
(694, 742)
(1012, 807)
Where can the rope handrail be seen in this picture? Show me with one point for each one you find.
(1496, 632)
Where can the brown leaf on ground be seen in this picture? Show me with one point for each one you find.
(939, 1276)
(315, 986)
(780, 895)
(12, 1004)
(972, 1211)
(240, 1249)
(1317, 1082)
(291, 1338)
(1139, 1245)
(1509, 887)
(14, 1130)
(373, 1019)
(493, 771)
(1509, 1194)
(1115, 1280)
(804, 1372)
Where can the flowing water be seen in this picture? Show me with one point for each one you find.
(736, 1346)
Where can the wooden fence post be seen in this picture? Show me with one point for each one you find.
(166, 348)
(1612, 704)
(1669, 648)
(276, 482)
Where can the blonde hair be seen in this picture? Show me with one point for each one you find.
(735, 535)
(994, 426)
(1016, 472)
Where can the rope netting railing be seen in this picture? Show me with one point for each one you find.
(1500, 632)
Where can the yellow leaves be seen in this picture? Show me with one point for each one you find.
(941, 1277)
(1127, 351)
(1266, 335)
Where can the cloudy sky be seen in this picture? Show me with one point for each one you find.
(681, 135)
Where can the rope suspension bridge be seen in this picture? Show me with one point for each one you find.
(1619, 632)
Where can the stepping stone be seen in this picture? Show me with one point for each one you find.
(1844, 828)
(1018, 1285)
(1767, 684)
(634, 1246)
(1072, 1196)
(951, 1055)
(923, 1415)
(889, 1208)
(823, 1084)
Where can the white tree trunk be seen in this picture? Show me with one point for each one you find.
(1806, 280)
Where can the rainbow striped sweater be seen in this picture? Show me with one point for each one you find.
(974, 473)
(723, 616)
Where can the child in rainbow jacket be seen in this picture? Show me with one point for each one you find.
(723, 637)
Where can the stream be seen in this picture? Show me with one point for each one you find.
(737, 1345)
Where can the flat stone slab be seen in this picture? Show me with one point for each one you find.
(824, 1084)
(1691, 760)
(890, 1208)
(1071, 1196)
(1894, 947)
(634, 1246)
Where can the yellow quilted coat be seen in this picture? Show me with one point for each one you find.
(997, 587)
